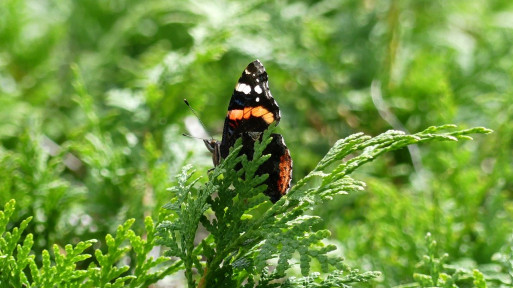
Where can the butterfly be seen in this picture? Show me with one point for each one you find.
(251, 110)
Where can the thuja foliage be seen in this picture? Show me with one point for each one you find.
(250, 242)
(434, 271)
(58, 269)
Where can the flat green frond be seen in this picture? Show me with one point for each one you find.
(364, 149)
(188, 205)
(251, 242)
(249, 235)
(333, 279)
(6, 214)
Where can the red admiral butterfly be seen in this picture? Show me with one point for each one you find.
(251, 110)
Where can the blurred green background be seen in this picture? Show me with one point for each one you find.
(91, 113)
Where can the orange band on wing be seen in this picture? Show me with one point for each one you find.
(259, 111)
(235, 114)
(268, 118)
(285, 173)
(248, 112)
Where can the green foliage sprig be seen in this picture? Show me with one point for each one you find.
(434, 271)
(252, 243)
(255, 243)
(59, 269)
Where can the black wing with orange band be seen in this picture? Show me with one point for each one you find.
(252, 108)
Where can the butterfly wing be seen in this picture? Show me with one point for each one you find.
(252, 108)
(278, 166)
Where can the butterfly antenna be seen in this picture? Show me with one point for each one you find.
(199, 119)
(194, 137)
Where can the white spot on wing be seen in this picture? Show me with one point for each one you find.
(243, 87)
(247, 89)
(258, 90)
(257, 99)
